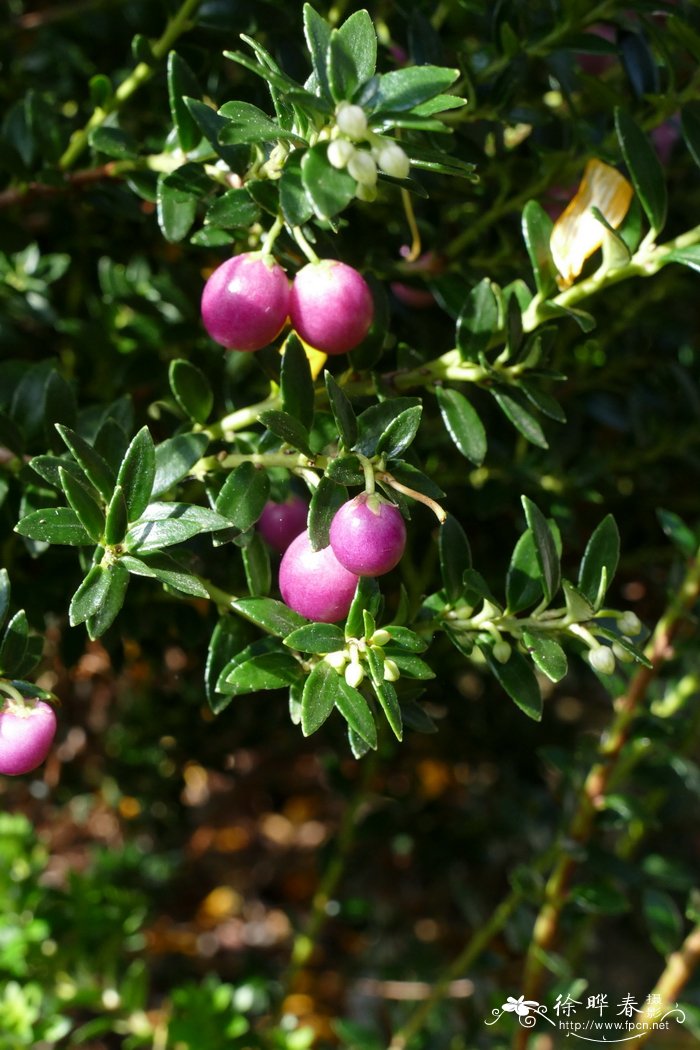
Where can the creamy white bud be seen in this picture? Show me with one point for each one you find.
(391, 671)
(354, 673)
(629, 623)
(380, 637)
(392, 160)
(501, 652)
(602, 659)
(362, 167)
(338, 659)
(366, 193)
(351, 120)
(339, 152)
(622, 655)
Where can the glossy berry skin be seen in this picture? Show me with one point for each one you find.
(368, 535)
(245, 302)
(280, 523)
(314, 583)
(26, 735)
(331, 306)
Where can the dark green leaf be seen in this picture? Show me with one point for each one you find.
(164, 524)
(400, 432)
(545, 548)
(600, 898)
(402, 89)
(318, 36)
(243, 496)
(455, 557)
(227, 640)
(544, 402)
(137, 473)
(192, 390)
(462, 424)
(319, 697)
(273, 670)
(624, 643)
(578, 608)
(356, 712)
(359, 40)
(546, 654)
(678, 532)
(584, 320)
(86, 508)
(523, 582)
(409, 665)
(602, 552)
(640, 64)
(342, 411)
(690, 125)
(326, 501)
(346, 470)
(328, 189)
(112, 601)
(367, 596)
(211, 125)
(385, 693)
(117, 518)
(342, 73)
(477, 321)
(48, 468)
(176, 209)
(96, 470)
(521, 418)
(537, 231)
(296, 384)
(406, 639)
(113, 142)
(289, 429)
(54, 525)
(644, 168)
(233, 209)
(409, 475)
(256, 564)
(182, 82)
(685, 256)
(273, 616)
(517, 678)
(5, 594)
(175, 457)
(111, 442)
(14, 643)
(246, 124)
(663, 920)
(294, 202)
(317, 638)
(374, 420)
(89, 596)
(168, 570)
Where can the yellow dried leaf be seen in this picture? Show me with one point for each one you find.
(577, 233)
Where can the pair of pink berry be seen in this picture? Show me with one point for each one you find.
(367, 538)
(248, 299)
(26, 735)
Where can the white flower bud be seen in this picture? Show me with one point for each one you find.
(629, 623)
(366, 193)
(362, 167)
(351, 120)
(502, 651)
(392, 159)
(338, 659)
(339, 152)
(391, 671)
(602, 659)
(380, 637)
(354, 673)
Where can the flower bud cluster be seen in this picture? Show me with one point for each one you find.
(350, 662)
(362, 164)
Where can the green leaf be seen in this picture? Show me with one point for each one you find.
(409, 665)
(374, 420)
(402, 89)
(645, 169)
(117, 521)
(246, 124)
(59, 525)
(477, 321)
(385, 693)
(48, 468)
(624, 643)
(523, 582)
(137, 473)
(273, 616)
(678, 532)
(356, 712)
(409, 475)
(367, 596)
(690, 126)
(90, 595)
(342, 411)
(294, 202)
(111, 442)
(545, 548)
(175, 458)
(113, 142)
(537, 231)
(227, 640)
(273, 670)
(359, 40)
(685, 256)
(85, 506)
(584, 320)
(289, 429)
(521, 418)
(112, 601)
(602, 553)
(14, 643)
(462, 424)
(94, 466)
(406, 639)
(578, 607)
(328, 189)
(319, 697)
(182, 82)
(455, 557)
(5, 594)
(546, 654)
(176, 209)
(166, 569)
(342, 72)
(326, 501)
(663, 920)
(191, 389)
(296, 384)
(211, 125)
(233, 209)
(400, 432)
(318, 36)
(517, 678)
(165, 524)
(346, 470)
(243, 496)
(256, 564)
(320, 638)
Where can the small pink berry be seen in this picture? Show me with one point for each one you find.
(280, 523)
(26, 735)
(314, 583)
(368, 535)
(331, 307)
(245, 302)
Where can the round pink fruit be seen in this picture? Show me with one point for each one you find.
(368, 535)
(314, 583)
(26, 735)
(245, 302)
(331, 307)
(280, 523)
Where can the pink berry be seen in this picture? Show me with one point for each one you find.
(314, 583)
(26, 735)
(280, 523)
(368, 535)
(245, 302)
(331, 306)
